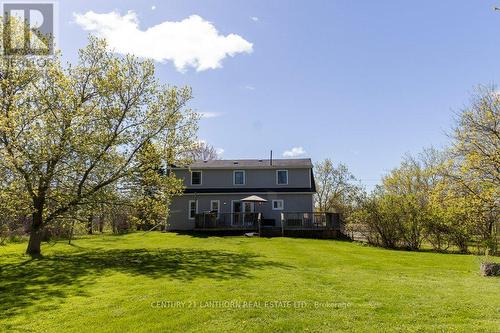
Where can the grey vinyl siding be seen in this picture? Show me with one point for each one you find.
(223, 178)
(293, 202)
(261, 180)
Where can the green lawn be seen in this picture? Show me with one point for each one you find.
(125, 283)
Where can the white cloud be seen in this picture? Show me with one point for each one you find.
(249, 87)
(206, 115)
(254, 18)
(294, 152)
(192, 42)
(153, 7)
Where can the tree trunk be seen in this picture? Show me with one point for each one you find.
(35, 242)
(90, 223)
(101, 223)
(36, 230)
(71, 231)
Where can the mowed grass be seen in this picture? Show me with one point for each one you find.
(167, 282)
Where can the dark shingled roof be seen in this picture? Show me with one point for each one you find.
(277, 163)
(252, 190)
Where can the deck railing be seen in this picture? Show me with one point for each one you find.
(252, 221)
(208, 220)
(310, 220)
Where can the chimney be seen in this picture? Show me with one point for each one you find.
(271, 158)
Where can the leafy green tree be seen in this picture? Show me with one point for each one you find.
(336, 187)
(378, 219)
(476, 148)
(449, 198)
(399, 211)
(452, 216)
(410, 186)
(153, 187)
(69, 133)
(14, 204)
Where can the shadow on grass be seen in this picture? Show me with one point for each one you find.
(41, 281)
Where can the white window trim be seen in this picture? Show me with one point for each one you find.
(218, 206)
(277, 178)
(201, 177)
(189, 209)
(244, 177)
(282, 204)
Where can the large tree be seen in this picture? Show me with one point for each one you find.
(477, 137)
(67, 133)
(203, 151)
(153, 188)
(408, 188)
(477, 159)
(336, 187)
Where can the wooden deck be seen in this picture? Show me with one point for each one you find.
(293, 224)
(227, 221)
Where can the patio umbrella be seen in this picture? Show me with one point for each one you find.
(257, 199)
(254, 198)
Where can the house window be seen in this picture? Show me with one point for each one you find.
(195, 177)
(282, 177)
(193, 209)
(278, 204)
(214, 207)
(239, 177)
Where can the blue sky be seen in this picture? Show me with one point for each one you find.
(361, 82)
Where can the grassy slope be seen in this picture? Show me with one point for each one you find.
(107, 284)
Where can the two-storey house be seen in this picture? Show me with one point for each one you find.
(219, 187)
